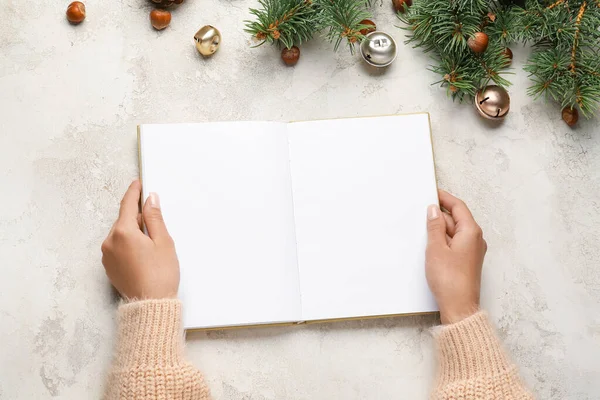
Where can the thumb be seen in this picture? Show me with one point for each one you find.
(153, 219)
(436, 228)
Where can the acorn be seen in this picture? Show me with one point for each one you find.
(478, 42)
(76, 12)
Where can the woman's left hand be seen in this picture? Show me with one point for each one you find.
(140, 266)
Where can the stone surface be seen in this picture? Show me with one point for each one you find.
(70, 100)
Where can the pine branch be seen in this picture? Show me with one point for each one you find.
(292, 22)
(289, 22)
(505, 26)
(576, 40)
(342, 20)
(565, 63)
(443, 27)
(558, 3)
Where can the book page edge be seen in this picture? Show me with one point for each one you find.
(310, 322)
(368, 317)
(367, 116)
(141, 174)
(139, 146)
(250, 326)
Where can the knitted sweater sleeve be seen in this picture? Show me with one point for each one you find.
(472, 364)
(149, 361)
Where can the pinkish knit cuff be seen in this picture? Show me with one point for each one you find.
(150, 333)
(469, 349)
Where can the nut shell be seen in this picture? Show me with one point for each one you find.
(570, 116)
(366, 31)
(401, 5)
(478, 42)
(166, 3)
(508, 54)
(76, 12)
(290, 56)
(160, 19)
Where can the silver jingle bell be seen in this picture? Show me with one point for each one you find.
(378, 49)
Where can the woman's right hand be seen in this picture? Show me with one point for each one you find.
(454, 258)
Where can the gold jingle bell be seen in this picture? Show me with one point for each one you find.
(208, 39)
(492, 102)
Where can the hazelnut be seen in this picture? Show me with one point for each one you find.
(508, 54)
(478, 42)
(290, 56)
(570, 115)
(401, 5)
(367, 30)
(76, 12)
(160, 19)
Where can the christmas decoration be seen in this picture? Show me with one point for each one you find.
(564, 64)
(290, 23)
(508, 55)
(520, 3)
(290, 56)
(372, 27)
(401, 5)
(478, 42)
(166, 3)
(378, 49)
(160, 19)
(208, 39)
(76, 12)
(492, 102)
(466, 39)
(570, 115)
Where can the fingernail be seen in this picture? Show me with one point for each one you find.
(433, 212)
(154, 200)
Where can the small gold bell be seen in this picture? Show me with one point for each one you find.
(492, 102)
(208, 39)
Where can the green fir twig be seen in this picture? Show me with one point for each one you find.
(288, 22)
(442, 28)
(341, 19)
(565, 63)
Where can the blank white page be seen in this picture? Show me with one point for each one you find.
(226, 198)
(361, 188)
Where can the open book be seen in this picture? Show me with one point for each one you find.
(293, 222)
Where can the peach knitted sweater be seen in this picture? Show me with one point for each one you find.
(149, 362)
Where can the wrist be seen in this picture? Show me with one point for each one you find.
(134, 298)
(454, 315)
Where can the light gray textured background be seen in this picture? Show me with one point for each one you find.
(70, 100)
